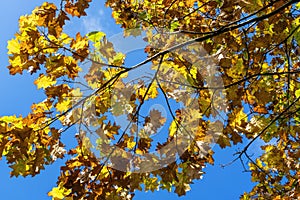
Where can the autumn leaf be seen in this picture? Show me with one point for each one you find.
(44, 81)
(59, 192)
(156, 119)
(95, 36)
(13, 46)
(79, 43)
(297, 93)
(226, 72)
(63, 105)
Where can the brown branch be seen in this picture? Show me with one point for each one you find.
(266, 127)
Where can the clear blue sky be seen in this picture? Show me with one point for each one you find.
(19, 92)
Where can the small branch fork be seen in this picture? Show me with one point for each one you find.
(245, 149)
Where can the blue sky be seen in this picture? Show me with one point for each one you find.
(18, 93)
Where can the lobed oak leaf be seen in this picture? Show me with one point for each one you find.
(79, 43)
(13, 46)
(14, 69)
(260, 109)
(223, 141)
(71, 9)
(77, 8)
(59, 91)
(59, 192)
(44, 81)
(182, 188)
(62, 17)
(19, 168)
(239, 117)
(63, 105)
(131, 144)
(95, 36)
(235, 137)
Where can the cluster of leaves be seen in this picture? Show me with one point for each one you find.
(253, 43)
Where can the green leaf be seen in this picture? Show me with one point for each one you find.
(95, 36)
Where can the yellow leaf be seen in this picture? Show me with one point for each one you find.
(75, 164)
(252, 166)
(239, 118)
(13, 46)
(56, 193)
(173, 128)
(297, 93)
(59, 192)
(79, 43)
(95, 36)
(44, 81)
(258, 3)
(151, 93)
(190, 2)
(139, 152)
(76, 93)
(265, 66)
(63, 106)
(118, 59)
(8, 119)
(104, 173)
(119, 189)
(52, 38)
(193, 72)
(181, 4)
(130, 144)
(259, 163)
(15, 61)
(15, 121)
(65, 38)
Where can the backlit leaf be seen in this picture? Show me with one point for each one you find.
(44, 81)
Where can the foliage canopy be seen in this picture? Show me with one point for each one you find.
(233, 66)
